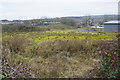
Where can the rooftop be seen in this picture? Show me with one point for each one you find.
(112, 22)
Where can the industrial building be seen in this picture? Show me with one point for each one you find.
(111, 25)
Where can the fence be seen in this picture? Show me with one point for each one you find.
(52, 64)
(65, 57)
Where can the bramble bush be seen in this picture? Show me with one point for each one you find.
(110, 63)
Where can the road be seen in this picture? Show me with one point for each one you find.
(91, 30)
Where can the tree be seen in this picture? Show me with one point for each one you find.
(87, 21)
(68, 21)
(106, 18)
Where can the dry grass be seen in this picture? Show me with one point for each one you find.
(53, 64)
(71, 46)
(15, 44)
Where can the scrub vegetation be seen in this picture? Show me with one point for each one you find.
(41, 52)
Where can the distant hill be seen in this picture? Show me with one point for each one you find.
(95, 17)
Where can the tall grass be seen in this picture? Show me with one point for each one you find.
(69, 46)
(19, 52)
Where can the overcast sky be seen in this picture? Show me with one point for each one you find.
(29, 9)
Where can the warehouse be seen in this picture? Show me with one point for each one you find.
(111, 26)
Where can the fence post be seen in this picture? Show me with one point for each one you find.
(33, 76)
(68, 60)
(34, 57)
(101, 58)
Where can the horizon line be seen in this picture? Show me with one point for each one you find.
(59, 16)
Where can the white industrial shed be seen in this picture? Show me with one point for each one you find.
(111, 26)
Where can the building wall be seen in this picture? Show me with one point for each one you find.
(111, 27)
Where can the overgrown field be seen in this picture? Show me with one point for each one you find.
(31, 28)
(62, 35)
(44, 54)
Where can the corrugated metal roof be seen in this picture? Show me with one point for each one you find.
(110, 22)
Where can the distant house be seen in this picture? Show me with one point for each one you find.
(100, 27)
(17, 21)
(93, 27)
(46, 23)
(5, 22)
(111, 26)
(11, 22)
(49, 23)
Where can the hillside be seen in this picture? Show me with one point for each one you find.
(95, 17)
